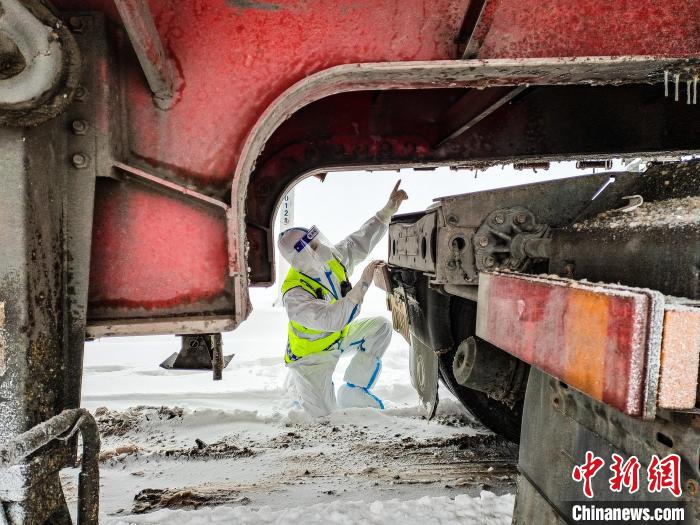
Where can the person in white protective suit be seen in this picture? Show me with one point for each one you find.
(323, 309)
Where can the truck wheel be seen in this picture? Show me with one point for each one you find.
(496, 415)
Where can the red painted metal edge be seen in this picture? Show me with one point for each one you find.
(603, 340)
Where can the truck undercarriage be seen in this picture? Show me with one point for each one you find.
(145, 148)
(453, 302)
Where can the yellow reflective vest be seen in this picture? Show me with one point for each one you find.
(297, 345)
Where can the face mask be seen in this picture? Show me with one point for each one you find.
(323, 253)
(312, 253)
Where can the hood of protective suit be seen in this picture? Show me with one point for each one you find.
(310, 259)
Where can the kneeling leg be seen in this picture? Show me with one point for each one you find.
(369, 338)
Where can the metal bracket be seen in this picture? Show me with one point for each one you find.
(62, 427)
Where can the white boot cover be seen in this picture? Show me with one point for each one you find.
(351, 396)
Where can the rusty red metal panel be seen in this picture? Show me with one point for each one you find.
(549, 28)
(153, 252)
(602, 340)
(236, 57)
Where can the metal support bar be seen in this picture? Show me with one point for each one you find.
(217, 361)
(46, 208)
(160, 72)
(201, 351)
(170, 185)
(461, 290)
(472, 16)
(63, 427)
(472, 108)
(476, 24)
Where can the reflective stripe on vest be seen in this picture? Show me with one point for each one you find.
(297, 345)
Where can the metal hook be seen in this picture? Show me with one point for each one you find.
(635, 201)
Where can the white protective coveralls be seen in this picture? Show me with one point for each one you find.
(310, 377)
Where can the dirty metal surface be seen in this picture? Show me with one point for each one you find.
(465, 222)
(60, 427)
(656, 245)
(41, 64)
(561, 424)
(600, 339)
(227, 56)
(233, 67)
(201, 324)
(158, 68)
(32, 385)
(45, 229)
(413, 245)
(370, 132)
(183, 243)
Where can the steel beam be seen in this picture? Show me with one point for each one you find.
(475, 26)
(46, 206)
(160, 73)
(472, 108)
(32, 385)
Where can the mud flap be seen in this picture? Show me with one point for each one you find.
(423, 364)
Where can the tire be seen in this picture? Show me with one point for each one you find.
(495, 415)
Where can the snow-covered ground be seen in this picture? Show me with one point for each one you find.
(178, 447)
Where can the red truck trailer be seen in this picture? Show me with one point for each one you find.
(145, 147)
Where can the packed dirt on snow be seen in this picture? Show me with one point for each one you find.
(187, 498)
(118, 423)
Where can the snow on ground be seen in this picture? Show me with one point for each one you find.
(178, 447)
(487, 509)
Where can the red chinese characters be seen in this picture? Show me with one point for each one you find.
(665, 474)
(625, 474)
(586, 472)
(662, 474)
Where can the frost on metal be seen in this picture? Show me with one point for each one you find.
(680, 357)
(602, 339)
(3, 343)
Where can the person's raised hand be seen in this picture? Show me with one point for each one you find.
(397, 196)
